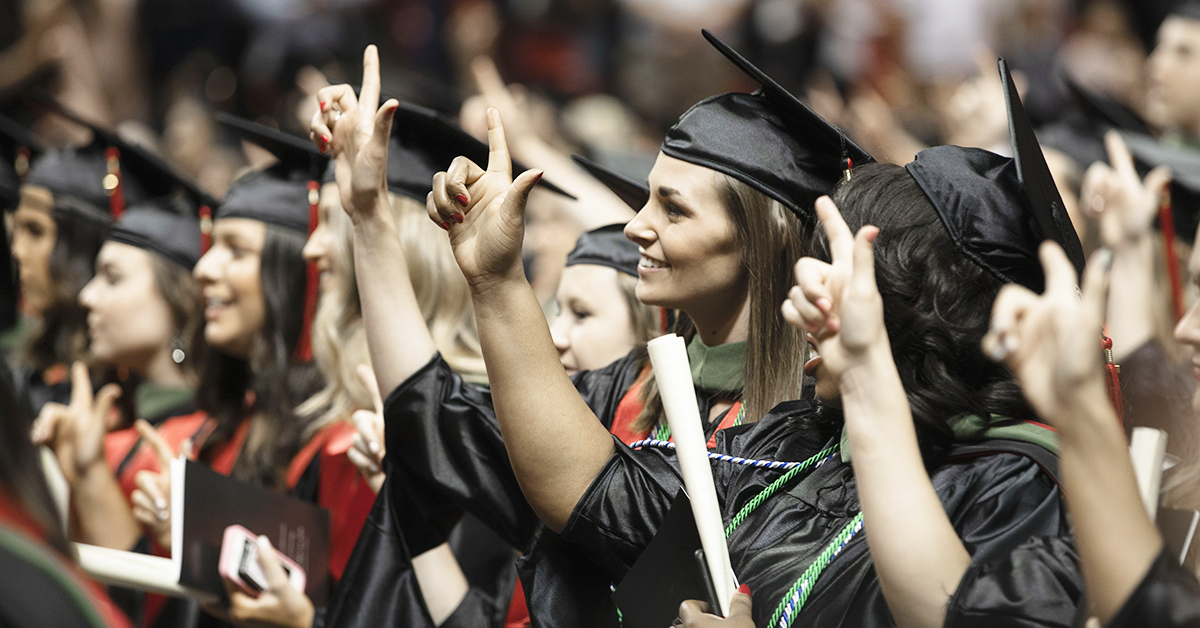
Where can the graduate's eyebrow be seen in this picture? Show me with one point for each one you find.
(667, 192)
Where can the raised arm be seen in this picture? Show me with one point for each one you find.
(555, 443)
(1049, 342)
(917, 553)
(355, 130)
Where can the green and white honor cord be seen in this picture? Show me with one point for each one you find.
(663, 431)
(793, 601)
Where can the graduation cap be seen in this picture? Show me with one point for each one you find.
(1149, 153)
(635, 194)
(1104, 110)
(18, 147)
(606, 246)
(284, 194)
(109, 173)
(278, 195)
(997, 209)
(438, 140)
(169, 233)
(769, 140)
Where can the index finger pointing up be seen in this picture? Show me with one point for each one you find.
(369, 95)
(498, 159)
(841, 241)
(81, 387)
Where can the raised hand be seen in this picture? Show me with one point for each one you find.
(75, 432)
(484, 210)
(355, 131)
(368, 449)
(1051, 342)
(1124, 204)
(152, 497)
(277, 605)
(839, 303)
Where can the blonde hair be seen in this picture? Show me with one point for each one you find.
(339, 340)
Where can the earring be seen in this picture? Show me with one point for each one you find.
(177, 353)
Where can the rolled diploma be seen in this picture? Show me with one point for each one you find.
(668, 357)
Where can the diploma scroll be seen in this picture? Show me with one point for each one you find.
(668, 357)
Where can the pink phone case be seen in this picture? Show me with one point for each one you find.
(239, 562)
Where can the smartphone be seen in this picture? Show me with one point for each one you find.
(239, 562)
(709, 588)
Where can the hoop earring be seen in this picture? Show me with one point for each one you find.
(177, 353)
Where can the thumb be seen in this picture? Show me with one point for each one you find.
(269, 561)
(1156, 180)
(741, 605)
(518, 192)
(864, 260)
(105, 400)
(161, 449)
(383, 122)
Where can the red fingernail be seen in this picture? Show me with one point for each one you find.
(325, 138)
(744, 589)
(538, 177)
(457, 218)
(445, 225)
(322, 106)
(462, 199)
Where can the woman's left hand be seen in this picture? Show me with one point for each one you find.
(152, 497)
(694, 613)
(839, 303)
(277, 605)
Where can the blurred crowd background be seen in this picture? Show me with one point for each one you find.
(602, 78)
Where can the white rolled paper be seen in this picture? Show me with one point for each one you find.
(672, 372)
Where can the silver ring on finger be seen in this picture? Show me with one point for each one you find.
(337, 115)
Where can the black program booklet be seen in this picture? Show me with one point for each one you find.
(210, 502)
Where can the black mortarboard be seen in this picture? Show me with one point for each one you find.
(635, 194)
(410, 171)
(285, 195)
(1184, 162)
(1105, 111)
(998, 210)
(279, 194)
(439, 140)
(606, 246)
(171, 231)
(18, 147)
(110, 173)
(769, 140)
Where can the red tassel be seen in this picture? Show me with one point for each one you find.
(206, 229)
(1166, 220)
(1113, 379)
(312, 285)
(112, 183)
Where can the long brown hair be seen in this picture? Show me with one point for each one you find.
(770, 239)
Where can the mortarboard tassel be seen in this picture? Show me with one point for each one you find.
(206, 228)
(1113, 379)
(1166, 219)
(112, 183)
(304, 344)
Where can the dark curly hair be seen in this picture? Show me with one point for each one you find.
(936, 307)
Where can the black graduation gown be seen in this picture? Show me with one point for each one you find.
(1168, 597)
(444, 433)
(1009, 514)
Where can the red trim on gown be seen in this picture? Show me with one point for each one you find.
(341, 489)
(118, 443)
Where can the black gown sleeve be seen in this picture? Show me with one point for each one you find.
(379, 586)
(1168, 597)
(1157, 392)
(445, 433)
